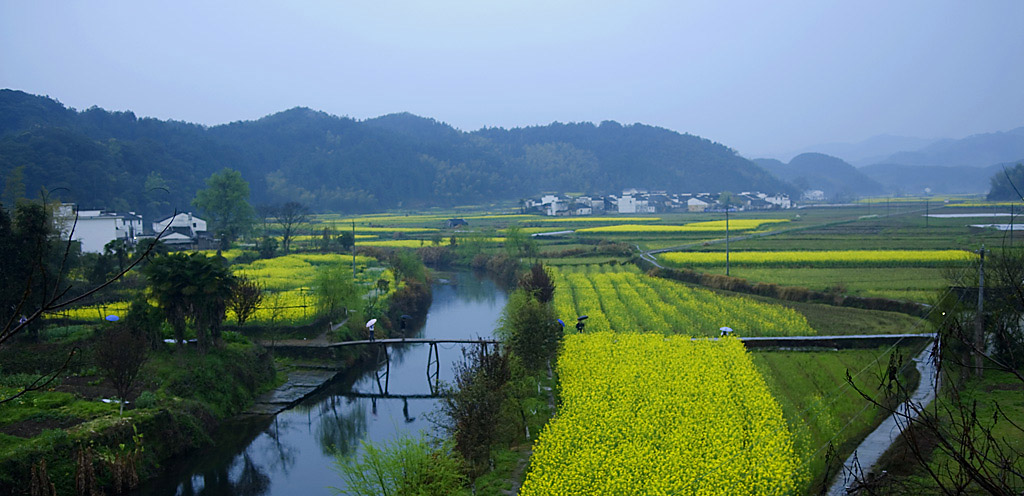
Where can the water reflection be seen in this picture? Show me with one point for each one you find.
(294, 452)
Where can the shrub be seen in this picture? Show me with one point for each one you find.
(403, 466)
(145, 400)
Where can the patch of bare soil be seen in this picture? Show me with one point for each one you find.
(33, 427)
(83, 387)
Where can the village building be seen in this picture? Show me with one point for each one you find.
(93, 229)
(183, 230)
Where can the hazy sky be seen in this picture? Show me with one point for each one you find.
(759, 76)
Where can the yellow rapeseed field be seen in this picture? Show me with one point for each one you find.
(653, 415)
(561, 220)
(709, 226)
(822, 258)
(619, 298)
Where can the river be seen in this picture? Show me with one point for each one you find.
(294, 451)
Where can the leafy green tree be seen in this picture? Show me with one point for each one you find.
(225, 202)
(267, 247)
(530, 329)
(347, 240)
(191, 289)
(1008, 185)
(406, 265)
(405, 466)
(514, 240)
(33, 264)
(336, 292)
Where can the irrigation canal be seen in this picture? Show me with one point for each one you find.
(293, 452)
(290, 445)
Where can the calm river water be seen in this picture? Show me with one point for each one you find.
(293, 452)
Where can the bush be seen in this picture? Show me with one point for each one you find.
(145, 400)
(403, 466)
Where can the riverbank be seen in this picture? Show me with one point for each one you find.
(65, 436)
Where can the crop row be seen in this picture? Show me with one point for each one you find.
(622, 300)
(708, 226)
(646, 414)
(824, 258)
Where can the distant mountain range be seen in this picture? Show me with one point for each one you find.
(115, 160)
(902, 165)
(839, 180)
(870, 151)
(980, 150)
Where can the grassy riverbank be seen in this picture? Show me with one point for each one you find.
(184, 395)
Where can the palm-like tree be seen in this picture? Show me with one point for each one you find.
(191, 288)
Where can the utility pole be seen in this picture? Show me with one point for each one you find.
(353, 250)
(979, 319)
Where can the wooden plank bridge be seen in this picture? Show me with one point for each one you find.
(383, 363)
(383, 371)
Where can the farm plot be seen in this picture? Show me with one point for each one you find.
(823, 258)
(618, 298)
(646, 414)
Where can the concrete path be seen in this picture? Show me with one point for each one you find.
(300, 383)
(871, 449)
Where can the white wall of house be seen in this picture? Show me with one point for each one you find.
(95, 229)
(781, 201)
(695, 205)
(183, 219)
(627, 205)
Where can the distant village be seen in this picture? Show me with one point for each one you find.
(635, 201)
(184, 230)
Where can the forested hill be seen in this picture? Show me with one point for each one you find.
(839, 180)
(117, 161)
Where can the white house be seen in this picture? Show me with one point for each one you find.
(95, 228)
(184, 228)
(696, 205)
(627, 204)
(781, 201)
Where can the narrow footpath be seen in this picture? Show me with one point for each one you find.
(875, 445)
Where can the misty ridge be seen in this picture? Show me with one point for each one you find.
(117, 161)
(898, 165)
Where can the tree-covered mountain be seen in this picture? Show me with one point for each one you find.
(117, 161)
(816, 171)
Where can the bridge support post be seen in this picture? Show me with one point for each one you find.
(433, 369)
(383, 359)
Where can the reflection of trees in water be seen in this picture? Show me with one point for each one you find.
(281, 456)
(342, 423)
(251, 480)
(470, 287)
